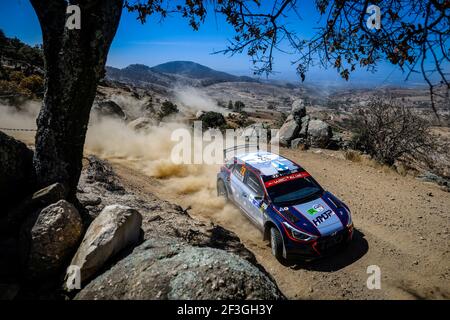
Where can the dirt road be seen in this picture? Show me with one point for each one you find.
(402, 226)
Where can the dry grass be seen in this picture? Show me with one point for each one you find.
(353, 156)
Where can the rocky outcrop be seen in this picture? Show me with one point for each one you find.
(299, 130)
(101, 172)
(16, 163)
(49, 238)
(142, 124)
(288, 132)
(319, 133)
(167, 268)
(109, 108)
(116, 228)
(151, 270)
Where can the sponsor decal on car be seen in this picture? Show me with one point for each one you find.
(321, 218)
(286, 178)
(316, 208)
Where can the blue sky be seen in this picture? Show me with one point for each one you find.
(154, 43)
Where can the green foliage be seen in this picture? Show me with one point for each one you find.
(16, 50)
(230, 105)
(213, 119)
(238, 106)
(168, 108)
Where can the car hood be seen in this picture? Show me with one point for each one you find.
(321, 216)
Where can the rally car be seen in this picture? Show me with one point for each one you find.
(301, 219)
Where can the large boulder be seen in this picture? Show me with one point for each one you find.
(49, 239)
(298, 110)
(116, 228)
(319, 133)
(109, 108)
(16, 167)
(167, 268)
(287, 132)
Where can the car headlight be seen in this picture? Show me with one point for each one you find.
(297, 234)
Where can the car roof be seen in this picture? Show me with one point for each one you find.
(267, 163)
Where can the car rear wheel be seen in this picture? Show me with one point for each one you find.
(276, 243)
(222, 190)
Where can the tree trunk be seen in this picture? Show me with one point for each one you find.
(75, 62)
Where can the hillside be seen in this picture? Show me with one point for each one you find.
(197, 71)
(172, 74)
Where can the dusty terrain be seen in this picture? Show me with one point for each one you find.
(402, 226)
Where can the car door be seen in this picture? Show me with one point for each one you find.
(237, 184)
(253, 197)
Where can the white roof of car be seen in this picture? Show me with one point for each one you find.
(267, 163)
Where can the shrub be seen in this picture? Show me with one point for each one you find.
(213, 119)
(352, 155)
(239, 106)
(16, 76)
(388, 132)
(168, 108)
(34, 83)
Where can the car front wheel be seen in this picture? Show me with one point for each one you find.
(276, 243)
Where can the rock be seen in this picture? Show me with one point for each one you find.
(319, 133)
(142, 124)
(287, 132)
(99, 171)
(16, 166)
(116, 228)
(109, 108)
(298, 110)
(49, 239)
(48, 195)
(299, 143)
(431, 177)
(10, 223)
(304, 127)
(167, 268)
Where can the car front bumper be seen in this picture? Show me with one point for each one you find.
(320, 247)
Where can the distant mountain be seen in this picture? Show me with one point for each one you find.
(139, 75)
(197, 71)
(172, 73)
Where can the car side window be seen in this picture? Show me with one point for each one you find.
(253, 183)
(239, 171)
(230, 164)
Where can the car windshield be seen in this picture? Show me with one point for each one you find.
(294, 191)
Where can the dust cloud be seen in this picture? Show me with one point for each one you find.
(193, 100)
(149, 152)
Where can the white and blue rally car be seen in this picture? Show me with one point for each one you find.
(287, 204)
